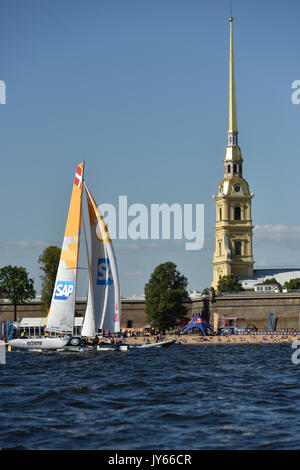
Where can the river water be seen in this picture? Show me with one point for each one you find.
(181, 397)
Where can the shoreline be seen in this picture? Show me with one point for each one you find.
(206, 340)
(233, 339)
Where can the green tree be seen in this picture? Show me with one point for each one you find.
(271, 280)
(49, 261)
(229, 283)
(206, 291)
(165, 293)
(293, 284)
(16, 285)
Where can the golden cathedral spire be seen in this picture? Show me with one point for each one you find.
(232, 123)
(234, 252)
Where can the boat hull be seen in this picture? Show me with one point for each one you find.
(160, 344)
(39, 343)
(112, 347)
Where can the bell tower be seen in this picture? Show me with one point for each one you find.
(234, 251)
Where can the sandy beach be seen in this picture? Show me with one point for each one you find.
(233, 339)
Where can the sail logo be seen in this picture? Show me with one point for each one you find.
(63, 290)
(104, 276)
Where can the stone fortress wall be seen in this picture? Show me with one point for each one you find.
(242, 309)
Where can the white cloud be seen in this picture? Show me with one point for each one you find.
(25, 244)
(16, 244)
(278, 234)
(40, 244)
(142, 246)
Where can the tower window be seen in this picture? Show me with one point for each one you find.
(228, 169)
(237, 213)
(238, 248)
(220, 248)
(220, 214)
(234, 169)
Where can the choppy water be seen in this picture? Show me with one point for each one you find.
(182, 397)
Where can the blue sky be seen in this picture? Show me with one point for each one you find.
(139, 90)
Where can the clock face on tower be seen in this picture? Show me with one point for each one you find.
(237, 188)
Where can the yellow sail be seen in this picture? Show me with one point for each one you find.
(70, 250)
(62, 309)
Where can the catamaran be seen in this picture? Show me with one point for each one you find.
(103, 309)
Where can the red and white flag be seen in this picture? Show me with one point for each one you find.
(78, 177)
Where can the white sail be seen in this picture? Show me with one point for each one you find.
(62, 309)
(88, 327)
(112, 314)
(106, 290)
